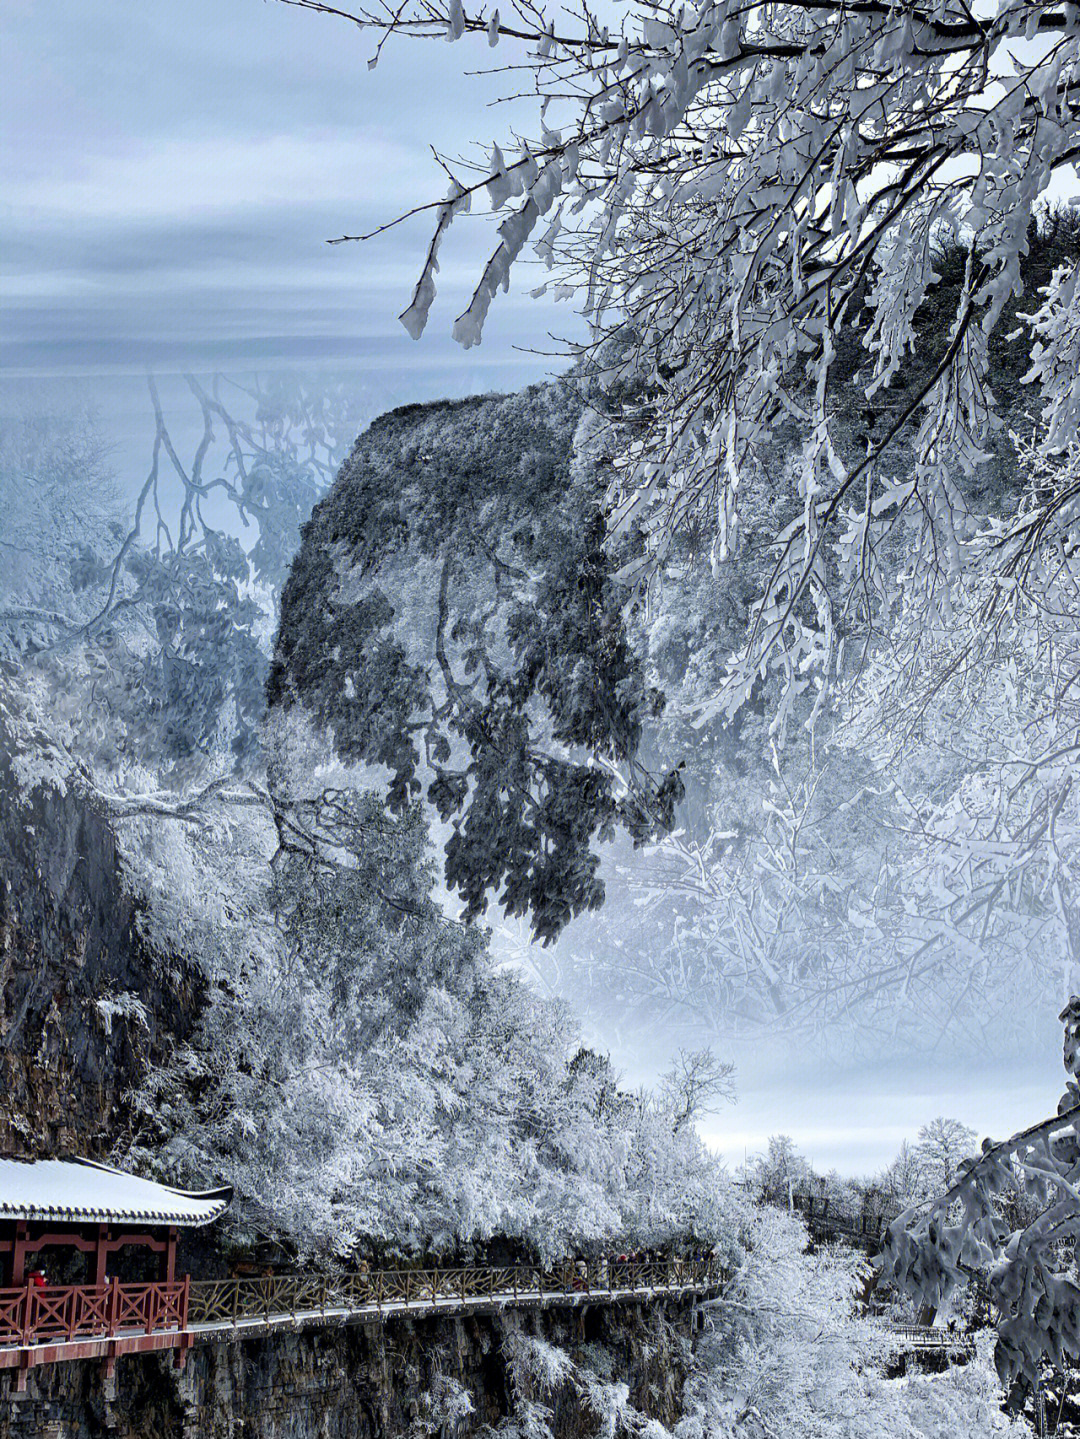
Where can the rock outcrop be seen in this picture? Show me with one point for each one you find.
(85, 1004)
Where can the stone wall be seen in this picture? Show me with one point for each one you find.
(370, 1382)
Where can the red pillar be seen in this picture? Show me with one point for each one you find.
(101, 1256)
(170, 1257)
(18, 1256)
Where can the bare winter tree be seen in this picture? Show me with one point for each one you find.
(694, 1084)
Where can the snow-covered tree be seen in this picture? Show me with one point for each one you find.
(361, 1072)
(1011, 1217)
(941, 1147)
(788, 1353)
(911, 858)
(60, 513)
(150, 632)
(737, 187)
(780, 1170)
(901, 1180)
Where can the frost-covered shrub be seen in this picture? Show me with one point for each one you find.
(444, 1408)
(540, 1371)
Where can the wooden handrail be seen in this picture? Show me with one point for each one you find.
(233, 1300)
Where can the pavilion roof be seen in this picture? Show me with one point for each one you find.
(80, 1191)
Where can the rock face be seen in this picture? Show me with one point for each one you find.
(454, 620)
(84, 1003)
(362, 1383)
(420, 480)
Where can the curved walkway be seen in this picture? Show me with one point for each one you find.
(56, 1323)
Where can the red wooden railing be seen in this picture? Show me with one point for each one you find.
(35, 1314)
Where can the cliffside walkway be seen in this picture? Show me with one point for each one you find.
(930, 1338)
(52, 1323)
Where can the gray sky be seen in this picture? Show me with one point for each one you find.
(168, 177)
(171, 173)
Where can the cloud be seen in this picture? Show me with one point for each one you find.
(853, 1117)
(183, 178)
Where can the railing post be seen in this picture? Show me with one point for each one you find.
(28, 1315)
(235, 1301)
(112, 1311)
(185, 1299)
(1040, 1408)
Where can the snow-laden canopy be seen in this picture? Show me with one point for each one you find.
(81, 1192)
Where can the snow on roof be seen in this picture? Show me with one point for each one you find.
(79, 1191)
